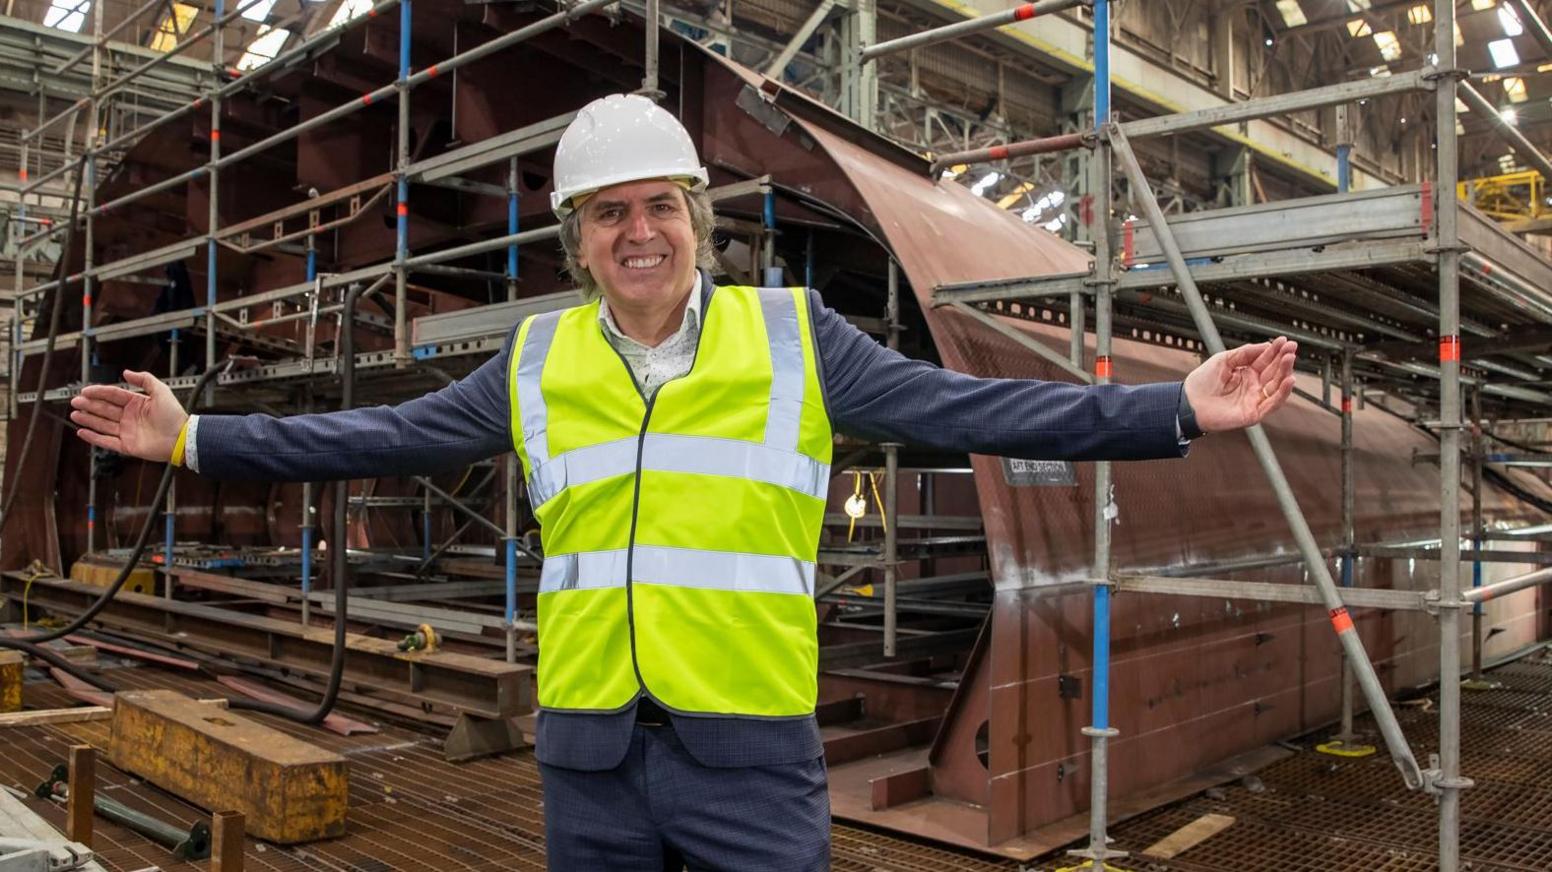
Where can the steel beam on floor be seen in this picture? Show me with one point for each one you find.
(473, 685)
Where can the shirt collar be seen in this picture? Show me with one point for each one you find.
(692, 312)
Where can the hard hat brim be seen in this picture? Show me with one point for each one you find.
(562, 203)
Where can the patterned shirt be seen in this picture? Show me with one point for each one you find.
(669, 359)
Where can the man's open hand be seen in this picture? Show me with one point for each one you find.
(1241, 386)
(141, 425)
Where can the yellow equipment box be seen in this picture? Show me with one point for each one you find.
(141, 579)
(288, 790)
(11, 665)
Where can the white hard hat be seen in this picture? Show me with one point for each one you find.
(617, 139)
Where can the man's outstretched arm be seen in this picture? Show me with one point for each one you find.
(447, 430)
(877, 394)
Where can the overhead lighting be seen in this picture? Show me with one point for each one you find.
(1358, 27)
(174, 25)
(264, 47)
(1389, 45)
(1510, 115)
(1293, 16)
(1510, 21)
(985, 183)
(1269, 41)
(66, 15)
(259, 11)
(348, 10)
(1419, 14)
(1514, 86)
(1506, 163)
(1378, 73)
(1544, 68)
(1503, 52)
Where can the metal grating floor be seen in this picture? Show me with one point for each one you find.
(1316, 812)
(409, 809)
(1309, 813)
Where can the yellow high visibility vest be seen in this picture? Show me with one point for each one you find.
(680, 530)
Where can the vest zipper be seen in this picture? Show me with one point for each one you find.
(630, 542)
(641, 447)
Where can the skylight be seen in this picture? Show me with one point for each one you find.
(258, 11)
(1503, 52)
(1293, 16)
(1510, 21)
(985, 183)
(174, 25)
(264, 47)
(1379, 72)
(1357, 5)
(1358, 27)
(1514, 86)
(1480, 5)
(67, 14)
(1390, 47)
(348, 10)
(1460, 105)
(1419, 14)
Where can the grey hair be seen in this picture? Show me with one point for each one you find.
(702, 221)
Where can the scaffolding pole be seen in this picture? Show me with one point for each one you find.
(993, 21)
(889, 510)
(1341, 621)
(401, 250)
(1099, 730)
(88, 352)
(1447, 238)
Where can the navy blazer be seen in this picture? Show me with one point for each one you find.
(871, 393)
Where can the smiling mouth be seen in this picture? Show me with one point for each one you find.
(644, 262)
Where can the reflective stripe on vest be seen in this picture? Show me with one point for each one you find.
(680, 550)
(685, 567)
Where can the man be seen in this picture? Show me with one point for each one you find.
(675, 438)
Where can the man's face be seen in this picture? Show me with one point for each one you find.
(638, 243)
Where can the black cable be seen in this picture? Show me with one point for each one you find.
(347, 347)
(48, 348)
(59, 661)
(1515, 490)
(141, 540)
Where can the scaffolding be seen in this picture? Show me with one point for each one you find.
(1401, 228)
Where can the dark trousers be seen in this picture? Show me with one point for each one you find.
(662, 810)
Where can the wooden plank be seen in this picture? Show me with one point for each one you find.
(288, 791)
(1188, 836)
(56, 716)
(75, 715)
(83, 792)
